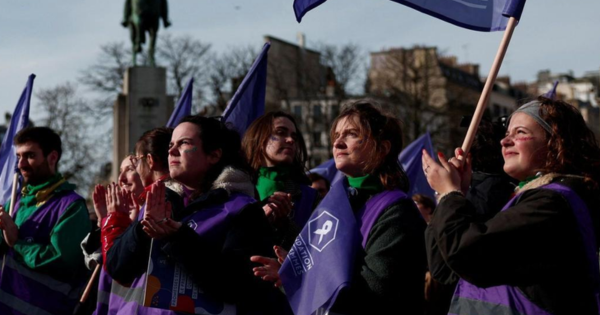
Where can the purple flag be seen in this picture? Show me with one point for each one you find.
(321, 260)
(478, 15)
(410, 158)
(248, 102)
(8, 152)
(552, 93)
(184, 105)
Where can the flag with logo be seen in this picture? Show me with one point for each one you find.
(410, 158)
(248, 102)
(8, 152)
(184, 105)
(478, 15)
(321, 261)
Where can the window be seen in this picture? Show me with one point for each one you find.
(298, 113)
(316, 139)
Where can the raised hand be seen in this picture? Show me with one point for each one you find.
(157, 221)
(9, 228)
(269, 271)
(99, 199)
(116, 199)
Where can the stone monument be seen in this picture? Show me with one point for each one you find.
(144, 105)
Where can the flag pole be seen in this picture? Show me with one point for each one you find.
(489, 84)
(88, 288)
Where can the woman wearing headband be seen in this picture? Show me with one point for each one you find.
(539, 254)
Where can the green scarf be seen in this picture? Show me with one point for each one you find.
(529, 179)
(270, 180)
(369, 184)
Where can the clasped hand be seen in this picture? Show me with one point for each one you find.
(157, 222)
(448, 175)
(8, 227)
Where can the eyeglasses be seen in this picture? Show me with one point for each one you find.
(135, 160)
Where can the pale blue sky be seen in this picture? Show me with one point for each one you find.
(56, 39)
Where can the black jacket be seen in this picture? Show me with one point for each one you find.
(220, 268)
(534, 245)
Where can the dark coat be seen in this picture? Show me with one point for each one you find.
(534, 245)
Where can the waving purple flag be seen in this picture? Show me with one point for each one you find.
(184, 105)
(478, 15)
(248, 102)
(8, 155)
(552, 93)
(410, 158)
(321, 260)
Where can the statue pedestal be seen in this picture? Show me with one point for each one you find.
(144, 105)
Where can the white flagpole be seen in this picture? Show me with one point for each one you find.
(489, 84)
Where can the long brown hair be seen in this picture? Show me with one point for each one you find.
(572, 146)
(257, 136)
(375, 127)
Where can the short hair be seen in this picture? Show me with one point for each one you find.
(375, 127)
(257, 136)
(315, 177)
(45, 137)
(156, 143)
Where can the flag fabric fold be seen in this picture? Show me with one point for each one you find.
(328, 171)
(248, 102)
(477, 15)
(410, 158)
(184, 105)
(8, 155)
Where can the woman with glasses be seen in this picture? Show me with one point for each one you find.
(276, 152)
(201, 238)
(538, 255)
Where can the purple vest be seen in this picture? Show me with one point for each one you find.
(303, 208)
(504, 299)
(104, 286)
(26, 291)
(321, 261)
(213, 222)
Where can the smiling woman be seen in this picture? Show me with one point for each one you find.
(538, 255)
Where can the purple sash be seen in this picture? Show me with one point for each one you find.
(321, 261)
(212, 222)
(504, 299)
(26, 291)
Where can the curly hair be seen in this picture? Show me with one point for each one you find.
(572, 146)
(257, 136)
(377, 127)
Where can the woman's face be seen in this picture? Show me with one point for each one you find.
(282, 145)
(188, 163)
(129, 179)
(524, 148)
(348, 148)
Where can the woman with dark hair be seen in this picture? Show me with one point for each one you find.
(276, 152)
(367, 251)
(539, 254)
(203, 237)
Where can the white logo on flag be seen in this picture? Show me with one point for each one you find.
(325, 227)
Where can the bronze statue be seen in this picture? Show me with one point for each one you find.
(143, 16)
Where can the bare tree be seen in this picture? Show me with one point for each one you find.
(346, 62)
(227, 72)
(184, 57)
(65, 112)
(427, 93)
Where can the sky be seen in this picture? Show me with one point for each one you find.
(57, 39)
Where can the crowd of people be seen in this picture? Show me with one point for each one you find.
(240, 222)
